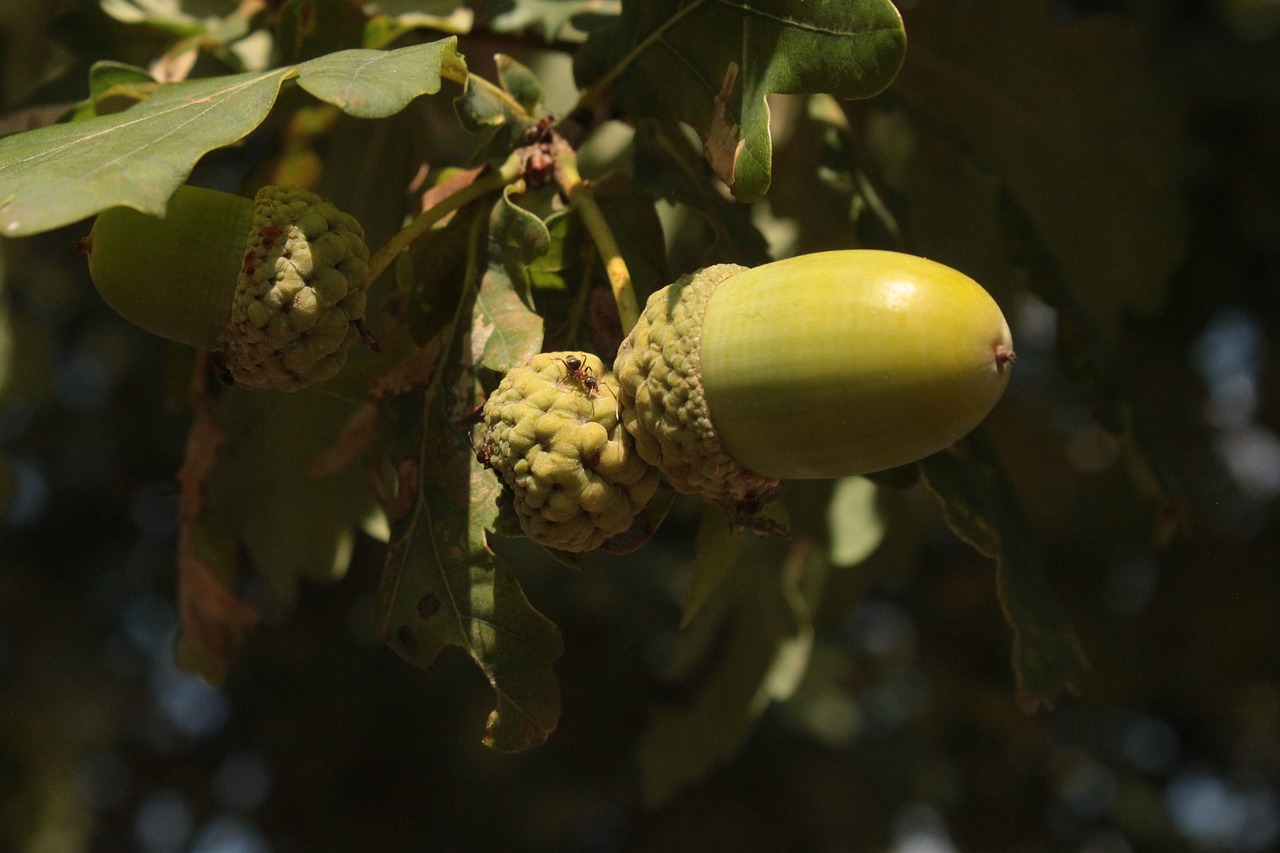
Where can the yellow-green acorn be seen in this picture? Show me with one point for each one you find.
(823, 365)
(275, 283)
(552, 433)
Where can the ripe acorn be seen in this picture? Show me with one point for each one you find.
(823, 365)
(275, 283)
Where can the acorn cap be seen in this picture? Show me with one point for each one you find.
(300, 292)
(554, 438)
(659, 367)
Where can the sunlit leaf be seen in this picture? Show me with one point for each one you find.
(504, 331)
(712, 64)
(60, 174)
(391, 19)
(981, 508)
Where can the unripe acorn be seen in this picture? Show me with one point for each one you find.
(823, 365)
(275, 283)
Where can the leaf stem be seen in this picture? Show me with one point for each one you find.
(582, 197)
(507, 173)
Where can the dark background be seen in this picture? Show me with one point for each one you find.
(906, 735)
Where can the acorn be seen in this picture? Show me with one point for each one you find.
(275, 284)
(818, 366)
(552, 432)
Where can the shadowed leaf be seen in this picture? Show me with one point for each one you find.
(711, 64)
(292, 522)
(757, 628)
(442, 586)
(1068, 118)
(982, 510)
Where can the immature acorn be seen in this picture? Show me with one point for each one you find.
(823, 365)
(552, 433)
(275, 283)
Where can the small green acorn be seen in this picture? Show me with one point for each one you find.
(823, 365)
(275, 283)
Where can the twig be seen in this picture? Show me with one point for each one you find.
(422, 223)
(581, 196)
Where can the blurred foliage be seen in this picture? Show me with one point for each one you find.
(1105, 167)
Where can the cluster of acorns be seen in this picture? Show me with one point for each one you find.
(733, 380)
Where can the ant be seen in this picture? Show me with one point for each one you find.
(483, 453)
(582, 375)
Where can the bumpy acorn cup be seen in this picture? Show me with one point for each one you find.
(822, 365)
(552, 433)
(276, 283)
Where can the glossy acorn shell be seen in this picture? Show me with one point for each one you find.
(849, 362)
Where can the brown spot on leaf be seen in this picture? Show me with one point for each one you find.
(270, 234)
(404, 636)
(428, 605)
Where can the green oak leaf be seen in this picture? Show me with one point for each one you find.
(63, 173)
(712, 64)
(113, 86)
(757, 627)
(291, 522)
(555, 18)
(718, 230)
(504, 331)
(1071, 121)
(443, 586)
(519, 230)
(982, 510)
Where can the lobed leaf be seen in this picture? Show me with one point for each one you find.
(1068, 118)
(982, 510)
(60, 174)
(712, 63)
(294, 517)
(443, 586)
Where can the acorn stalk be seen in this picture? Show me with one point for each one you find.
(822, 365)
